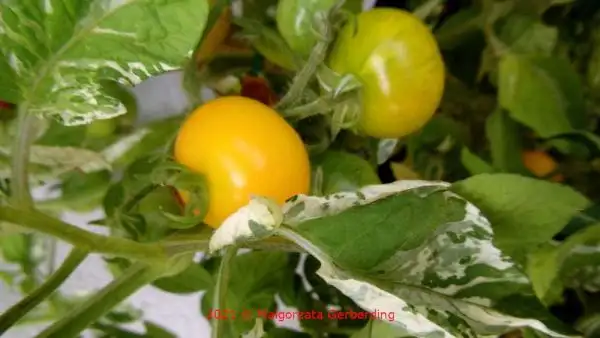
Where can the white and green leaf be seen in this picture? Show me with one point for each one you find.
(59, 52)
(416, 250)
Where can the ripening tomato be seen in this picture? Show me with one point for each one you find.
(541, 164)
(398, 61)
(296, 22)
(243, 148)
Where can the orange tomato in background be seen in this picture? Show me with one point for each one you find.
(541, 164)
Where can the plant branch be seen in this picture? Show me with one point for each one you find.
(137, 276)
(220, 294)
(303, 77)
(178, 243)
(427, 9)
(85, 240)
(19, 310)
(20, 190)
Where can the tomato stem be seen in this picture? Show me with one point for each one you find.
(20, 189)
(19, 310)
(135, 277)
(303, 77)
(220, 293)
(38, 221)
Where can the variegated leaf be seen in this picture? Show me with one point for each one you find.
(400, 247)
(254, 221)
(59, 52)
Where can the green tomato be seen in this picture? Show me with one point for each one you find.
(396, 58)
(296, 22)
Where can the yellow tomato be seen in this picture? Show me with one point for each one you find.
(398, 61)
(541, 164)
(244, 148)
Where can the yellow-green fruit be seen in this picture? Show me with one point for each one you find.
(397, 59)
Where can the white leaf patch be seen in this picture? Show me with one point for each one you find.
(254, 221)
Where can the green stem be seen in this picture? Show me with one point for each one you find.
(319, 106)
(304, 243)
(137, 276)
(316, 58)
(20, 190)
(220, 294)
(17, 311)
(426, 9)
(36, 220)
(178, 244)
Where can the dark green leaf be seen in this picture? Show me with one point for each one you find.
(255, 278)
(505, 145)
(474, 164)
(259, 9)
(280, 332)
(526, 34)
(343, 171)
(193, 279)
(548, 266)
(524, 212)
(458, 28)
(399, 222)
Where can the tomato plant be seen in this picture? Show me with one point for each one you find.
(423, 168)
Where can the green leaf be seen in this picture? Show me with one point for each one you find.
(14, 248)
(79, 192)
(155, 331)
(280, 332)
(59, 135)
(156, 137)
(345, 237)
(380, 329)
(343, 171)
(459, 28)
(526, 34)
(193, 279)
(255, 278)
(539, 6)
(63, 159)
(474, 164)
(547, 266)
(535, 92)
(58, 60)
(155, 208)
(503, 135)
(268, 42)
(524, 212)
(445, 280)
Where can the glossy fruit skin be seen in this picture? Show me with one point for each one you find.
(295, 22)
(243, 148)
(541, 164)
(398, 61)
